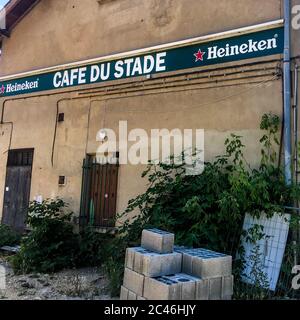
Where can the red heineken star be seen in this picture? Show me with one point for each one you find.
(2, 89)
(199, 55)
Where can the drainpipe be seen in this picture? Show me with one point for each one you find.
(296, 234)
(295, 115)
(287, 94)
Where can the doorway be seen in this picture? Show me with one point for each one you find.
(17, 188)
(99, 193)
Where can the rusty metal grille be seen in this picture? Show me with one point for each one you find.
(20, 158)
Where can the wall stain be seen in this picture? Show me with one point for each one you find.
(164, 14)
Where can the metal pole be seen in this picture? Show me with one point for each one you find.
(287, 94)
(295, 109)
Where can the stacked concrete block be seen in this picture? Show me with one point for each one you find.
(158, 241)
(205, 263)
(227, 287)
(176, 287)
(212, 266)
(152, 264)
(134, 281)
(129, 295)
(158, 271)
(215, 288)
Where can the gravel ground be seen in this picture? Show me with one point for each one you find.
(79, 284)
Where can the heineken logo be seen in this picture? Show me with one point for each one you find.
(251, 46)
(17, 87)
(171, 57)
(2, 90)
(199, 55)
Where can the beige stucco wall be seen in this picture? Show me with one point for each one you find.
(57, 32)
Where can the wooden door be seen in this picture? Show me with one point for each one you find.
(103, 196)
(17, 189)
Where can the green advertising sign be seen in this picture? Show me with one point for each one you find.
(247, 46)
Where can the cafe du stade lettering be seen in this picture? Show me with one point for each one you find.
(247, 46)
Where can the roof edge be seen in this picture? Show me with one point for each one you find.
(15, 11)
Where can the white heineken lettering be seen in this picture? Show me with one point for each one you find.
(272, 43)
(27, 85)
(244, 48)
(253, 46)
(171, 57)
(247, 47)
(234, 50)
(262, 45)
(221, 52)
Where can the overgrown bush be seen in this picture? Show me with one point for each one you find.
(8, 237)
(51, 245)
(114, 269)
(92, 247)
(207, 210)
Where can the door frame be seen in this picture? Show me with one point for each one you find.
(17, 162)
(86, 193)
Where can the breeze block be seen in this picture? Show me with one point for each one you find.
(129, 295)
(227, 287)
(152, 264)
(158, 241)
(205, 263)
(175, 287)
(134, 281)
(159, 271)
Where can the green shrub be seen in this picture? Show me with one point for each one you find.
(8, 237)
(114, 269)
(51, 245)
(92, 248)
(207, 210)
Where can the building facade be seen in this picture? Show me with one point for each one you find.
(46, 135)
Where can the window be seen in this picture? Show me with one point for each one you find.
(22, 157)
